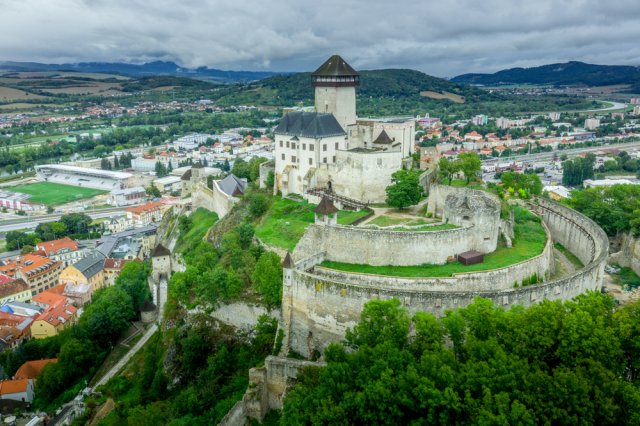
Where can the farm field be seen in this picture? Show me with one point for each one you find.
(53, 194)
(10, 94)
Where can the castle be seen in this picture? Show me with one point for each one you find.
(331, 150)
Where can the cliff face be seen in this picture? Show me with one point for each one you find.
(629, 254)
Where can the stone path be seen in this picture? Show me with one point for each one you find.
(125, 359)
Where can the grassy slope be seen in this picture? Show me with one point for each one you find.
(202, 220)
(529, 241)
(55, 193)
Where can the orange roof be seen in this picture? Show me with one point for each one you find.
(149, 207)
(115, 263)
(29, 265)
(13, 386)
(56, 246)
(53, 314)
(32, 369)
(49, 298)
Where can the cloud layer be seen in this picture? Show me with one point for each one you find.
(442, 38)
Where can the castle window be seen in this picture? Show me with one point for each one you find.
(304, 146)
(324, 147)
(280, 144)
(311, 147)
(310, 161)
(287, 144)
(293, 145)
(324, 160)
(293, 158)
(283, 156)
(336, 145)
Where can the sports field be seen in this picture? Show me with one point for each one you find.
(53, 194)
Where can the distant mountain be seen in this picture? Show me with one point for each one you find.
(566, 74)
(147, 69)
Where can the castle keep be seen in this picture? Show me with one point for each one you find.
(331, 150)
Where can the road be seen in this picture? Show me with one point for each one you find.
(549, 155)
(616, 105)
(30, 222)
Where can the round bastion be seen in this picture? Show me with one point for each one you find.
(320, 304)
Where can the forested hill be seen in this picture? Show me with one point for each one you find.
(570, 73)
(374, 83)
(398, 92)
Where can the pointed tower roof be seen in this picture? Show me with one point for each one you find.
(160, 250)
(335, 66)
(326, 206)
(287, 263)
(383, 139)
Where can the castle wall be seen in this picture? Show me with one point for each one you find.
(339, 101)
(319, 307)
(438, 195)
(212, 199)
(385, 247)
(629, 254)
(362, 176)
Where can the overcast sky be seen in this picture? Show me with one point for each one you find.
(442, 38)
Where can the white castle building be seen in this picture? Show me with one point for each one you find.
(331, 150)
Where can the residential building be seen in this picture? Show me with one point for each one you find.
(59, 315)
(480, 120)
(32, 369)
(145, 214)
(63, 250)
(40, 273)
(85, 276)
(168, 184)
(17, 390)
(112, 268)
(14, 290)
(127, 196)
(591, 123)
(554, 116)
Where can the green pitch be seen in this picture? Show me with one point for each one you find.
(53, 194)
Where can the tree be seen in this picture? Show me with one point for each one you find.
(405, 190)
(526, 184)
(267, 278)
(133, 280)
(241, 169)
(161, 170)
(105, 164)
(447, 168)
(254, 168)
(153, 191)
(226, 166)
(76, 223)
(470, 165)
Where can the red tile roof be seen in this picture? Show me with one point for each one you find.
(4, 279)
(57, 246)
(49, 298)
(32, 369)
(13, 386)
(53, 314)
(149, 207)
(13, 287)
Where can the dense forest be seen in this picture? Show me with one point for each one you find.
(553, 363)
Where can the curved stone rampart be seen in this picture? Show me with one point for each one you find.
(319, 307)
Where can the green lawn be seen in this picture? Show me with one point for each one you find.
(462, 182)
(55, 193)
(427, 228)
(347, 217)
(285, 222)
(628, 279)
(201, 221)
(530, 239)
(385, 220)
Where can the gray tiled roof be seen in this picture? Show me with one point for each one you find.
(232, 185)
(309, 125)
(90, 265)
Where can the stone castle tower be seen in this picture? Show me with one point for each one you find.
(335, 90)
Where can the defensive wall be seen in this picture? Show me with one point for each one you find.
(476, 213)
(629, 254)
(320, 304)
(212, 199)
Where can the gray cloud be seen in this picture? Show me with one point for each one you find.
(443, 38)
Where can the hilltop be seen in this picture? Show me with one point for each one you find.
(562, 74)
(141, 70)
